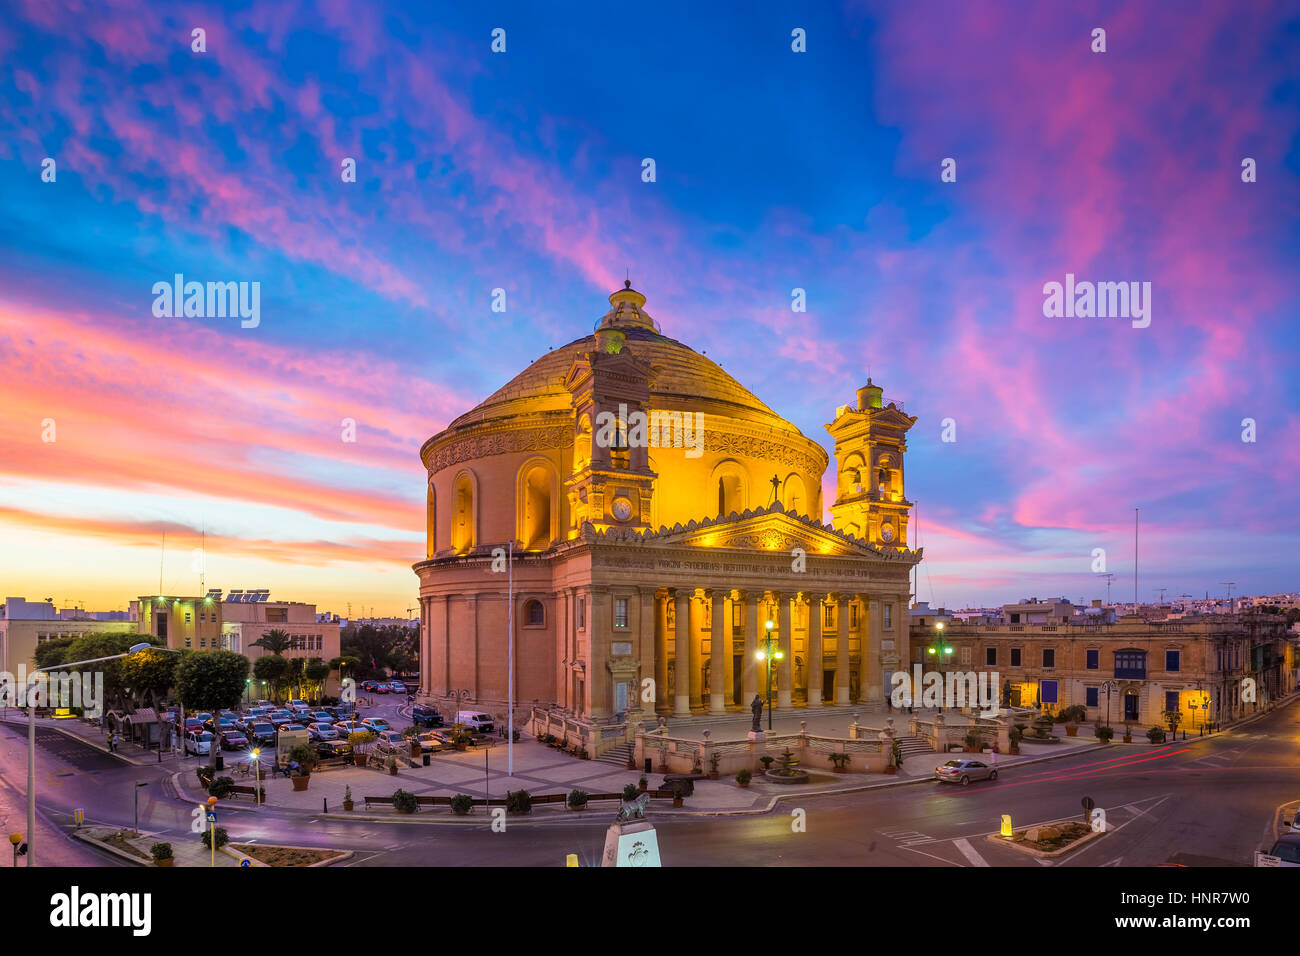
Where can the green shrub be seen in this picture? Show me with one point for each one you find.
(404, 801)
(161, 851)
(222, 838)
(205, 775)
(1105, 733)
(1156, 735)
(744, 776)
(577, 798)
(631, 792)
(221, 787)
(518, 801)
(462, 803)
(306, 757)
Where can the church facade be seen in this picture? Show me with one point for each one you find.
(660, 530)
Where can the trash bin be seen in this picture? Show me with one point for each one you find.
(221, 761)
(425, 759)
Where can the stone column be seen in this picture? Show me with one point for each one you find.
(472, 671)
(843, 659)
(717, 641)
(694, 640)
(647, 651)
(685, 657)
(816, 621)
(783, 675)
(728, 651)
(869, 680)
(749, 666)
(597, 684)
(662, 703)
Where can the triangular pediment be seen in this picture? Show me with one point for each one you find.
(763, 529)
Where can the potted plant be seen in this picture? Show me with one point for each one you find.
(973, 741)
(222, 838)
(678, 794)
(577, 800)
(549, 740)
(1128, 734)
(404, 801)
(744, 777)
(1015, 735)
(519, 801)
(461, 804)
(162, 854)
(221, 787)
(1072, 715)
(841, 762)
(347, 799)
(391, 766)
(1104, 734)
(1156, 735)
(630, 792)
(643, 784)
(306, 759)
(713, 765)
(361, 741)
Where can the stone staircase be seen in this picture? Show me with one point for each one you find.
(910, 746)
(616, 757)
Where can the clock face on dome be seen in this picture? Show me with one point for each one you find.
(622, 509)
(887, 532)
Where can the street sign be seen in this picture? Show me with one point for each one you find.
(244, 864)
(79, 816)
(212, 817)
(1263, 859)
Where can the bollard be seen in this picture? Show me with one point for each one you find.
(325, 805)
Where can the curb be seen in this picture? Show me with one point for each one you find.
(107, 848)
(254, 862)
(1047, 854)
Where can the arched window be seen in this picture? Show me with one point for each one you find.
(852, 477)
(582, 445)
(534, 614)
(731, 487)
(794, 496)
(462, 527)
(536, 516)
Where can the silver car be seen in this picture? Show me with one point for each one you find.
(964, 771)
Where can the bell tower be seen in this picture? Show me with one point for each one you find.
(870, 442)
(612, 484)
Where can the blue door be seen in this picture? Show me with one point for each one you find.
(1131, 706)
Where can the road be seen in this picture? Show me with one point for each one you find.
(1200, 800)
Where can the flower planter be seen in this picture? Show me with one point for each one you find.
(677, 802)
(743, 786)
(643, 787)
(348, 805)
(300, 783)
(167, 862)
(891, 770)
(713, 775)
(1071, 730)
(1128, 738)
(581, 807)
(840, 768)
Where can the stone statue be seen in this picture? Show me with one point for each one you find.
(756, 707)
(633, 809)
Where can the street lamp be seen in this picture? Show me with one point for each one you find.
(257, 776)
(137, 806)
(1109, 686)
(939, 650)
(31, 738)
(767, 655)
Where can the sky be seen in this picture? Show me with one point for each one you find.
(775, 170)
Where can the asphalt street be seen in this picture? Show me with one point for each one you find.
(1202, 801)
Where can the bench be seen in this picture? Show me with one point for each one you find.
(381, 801)
(239, 789)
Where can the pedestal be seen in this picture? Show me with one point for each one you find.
(631, 844)
(757, 735)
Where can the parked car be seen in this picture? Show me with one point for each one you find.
(321, 717)
(432, 742)
(390, 741)
(345, 727)
(964, 771)
(322, 732)
(279, 717)
(296, 705)
(302, 718)
(1286, 851)
(423, 716)
(381, 688)
(397, 687)
(476, 722)
(203, 717)
(329, 749)
(369, 685)
(375, 724)
(233, 740)
(262, 733)
(199, 742)
(193, 724)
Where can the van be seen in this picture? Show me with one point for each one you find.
(478, 723)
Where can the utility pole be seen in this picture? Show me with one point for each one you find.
(1109, 576)
(1135, 560)
(1232, 607)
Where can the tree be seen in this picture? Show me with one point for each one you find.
(211, 681)
(317, 672)
(90, 646)
(54, 652)
(276, 641)
(273, 669)
(149, 675)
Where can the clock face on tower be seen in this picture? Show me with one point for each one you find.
(622, 509)
(886, 532)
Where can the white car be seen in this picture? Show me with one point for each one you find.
(390, 741)
(199, 743)
(475, 722)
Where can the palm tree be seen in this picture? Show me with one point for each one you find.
(276, 641)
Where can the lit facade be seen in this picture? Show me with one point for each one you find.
(647, 566)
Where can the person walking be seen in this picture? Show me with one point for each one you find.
(112, 742)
